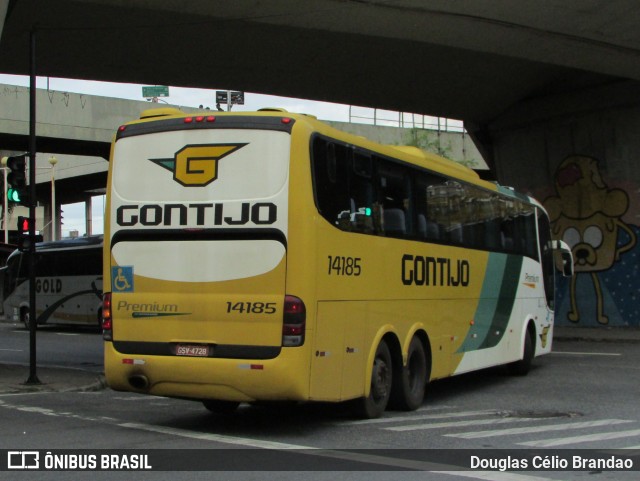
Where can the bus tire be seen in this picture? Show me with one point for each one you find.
(408, 390)
(522, 367)
(220, 407)
(376, 402)
(25, 317)
(99, 325)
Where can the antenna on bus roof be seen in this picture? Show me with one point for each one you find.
(161, 112)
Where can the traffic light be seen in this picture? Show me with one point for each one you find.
(23, 225)
(17, 179)
(24, 239)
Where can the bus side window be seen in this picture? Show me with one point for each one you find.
(365, 215)
(547, 262)
(330, 181)
(491, 216)
(430, 207)
(395, 199)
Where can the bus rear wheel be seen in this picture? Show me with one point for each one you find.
(220, 407)
(408, 391)
(376, 402)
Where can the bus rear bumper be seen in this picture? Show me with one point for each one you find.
(241, 380)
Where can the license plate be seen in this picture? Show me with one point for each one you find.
(194, 351)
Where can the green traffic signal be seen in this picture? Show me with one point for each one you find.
(18, 196)
(13, 195)
(16, 177)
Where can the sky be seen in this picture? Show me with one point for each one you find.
(188, 97)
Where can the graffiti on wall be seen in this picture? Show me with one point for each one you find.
(588, 215)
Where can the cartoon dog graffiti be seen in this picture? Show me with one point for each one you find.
(586, 214)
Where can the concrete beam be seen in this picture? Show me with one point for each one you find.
(66, 122)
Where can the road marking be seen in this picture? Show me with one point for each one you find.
(220, 438)
(538, 429)
(568, 353)
(457, 424)
(135, 398)
(547, 443)
(263, 444)
(395, 419)
(333, 453)
(494, 475)
(12, 350)
(51, 412)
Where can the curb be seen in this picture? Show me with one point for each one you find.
(622, 335)
(53, 379)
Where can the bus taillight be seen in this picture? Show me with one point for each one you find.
(295, 316)
(107, 325)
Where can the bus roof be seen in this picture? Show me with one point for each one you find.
(410, 154)
(80, 242)
(94, 240)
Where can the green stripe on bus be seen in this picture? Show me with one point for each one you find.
(496, 302)
(505, 302)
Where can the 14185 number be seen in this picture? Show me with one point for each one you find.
(344, 266)
(251, 307)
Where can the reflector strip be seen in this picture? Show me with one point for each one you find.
(255, 367)
(133, 361)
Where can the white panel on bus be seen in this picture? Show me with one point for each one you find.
(197, 261)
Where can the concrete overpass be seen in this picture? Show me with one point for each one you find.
(549, 90)
(476, 61)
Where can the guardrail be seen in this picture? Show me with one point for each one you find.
(389, 118)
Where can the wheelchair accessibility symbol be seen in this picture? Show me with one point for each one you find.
(122, 279)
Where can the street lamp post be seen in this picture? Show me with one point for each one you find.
(53, 161)
(5, 202)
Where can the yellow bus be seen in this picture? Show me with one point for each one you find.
(257, 256)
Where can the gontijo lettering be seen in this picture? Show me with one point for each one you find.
(434, 271)
(260, 213)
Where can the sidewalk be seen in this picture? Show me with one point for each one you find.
(596, 334)
(57, 379)
(52, 379)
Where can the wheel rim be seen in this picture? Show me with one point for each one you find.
(415, 372)
(380, 379)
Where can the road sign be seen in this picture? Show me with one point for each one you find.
(237, 98)
(155, 91)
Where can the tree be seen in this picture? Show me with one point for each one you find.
(433, 143)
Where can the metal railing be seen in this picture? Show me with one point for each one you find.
(407, 120)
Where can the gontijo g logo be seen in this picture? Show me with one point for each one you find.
(197, 165)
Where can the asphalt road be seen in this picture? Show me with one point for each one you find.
(583, 396)
(75, 347)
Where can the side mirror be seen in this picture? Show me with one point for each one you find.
(565, 255)
(567, 264)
